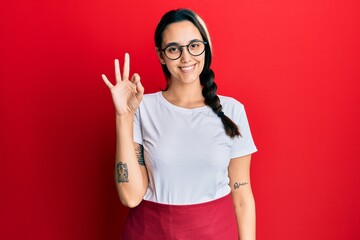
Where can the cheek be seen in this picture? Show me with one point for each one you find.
(201, 64)
(171, 65)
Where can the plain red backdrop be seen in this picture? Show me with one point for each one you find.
(294, 64)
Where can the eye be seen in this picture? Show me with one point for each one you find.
(194, 45)
(172, 49)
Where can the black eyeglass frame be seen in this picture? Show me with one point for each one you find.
(181, 47)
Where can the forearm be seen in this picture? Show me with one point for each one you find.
(246, 219)
(129, 177)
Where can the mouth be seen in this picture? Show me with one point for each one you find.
(186, 69)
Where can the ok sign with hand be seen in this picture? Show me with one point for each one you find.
(126, 94)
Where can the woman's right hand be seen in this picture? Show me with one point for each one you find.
(126, 94)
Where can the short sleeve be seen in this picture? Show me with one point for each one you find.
(242, 145)
(138, 138)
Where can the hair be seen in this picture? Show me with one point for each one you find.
(207, 75)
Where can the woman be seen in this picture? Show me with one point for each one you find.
(182, 154)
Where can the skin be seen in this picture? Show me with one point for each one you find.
(184, 91)
(243, 199)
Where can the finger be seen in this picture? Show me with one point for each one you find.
(117, 71)
(126, 69)
(135, 78)
(139, 86)
(139, 90)
(106, 81)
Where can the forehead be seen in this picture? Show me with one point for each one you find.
(181, 32)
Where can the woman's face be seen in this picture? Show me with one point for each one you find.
(187, 68)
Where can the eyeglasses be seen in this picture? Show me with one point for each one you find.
(173, 51)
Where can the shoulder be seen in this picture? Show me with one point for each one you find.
(150, 98)
(230, 102)
(233, 108)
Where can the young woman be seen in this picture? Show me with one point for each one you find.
(182, 154)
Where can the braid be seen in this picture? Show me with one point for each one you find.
(213, 101)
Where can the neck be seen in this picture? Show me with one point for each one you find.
(185, 95)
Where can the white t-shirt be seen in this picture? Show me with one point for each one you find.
(186, 151)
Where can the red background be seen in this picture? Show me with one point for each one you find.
(294, 64)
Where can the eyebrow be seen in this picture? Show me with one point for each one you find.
(175, 43)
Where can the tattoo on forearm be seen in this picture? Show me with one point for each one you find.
(140, 154)
(237, 185)
(122, 172)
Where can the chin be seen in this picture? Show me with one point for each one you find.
(190, 79)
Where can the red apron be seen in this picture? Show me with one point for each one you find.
(214, 220)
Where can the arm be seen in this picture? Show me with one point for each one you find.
(244, 204)
(130, 173)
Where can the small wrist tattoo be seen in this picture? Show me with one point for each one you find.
(237, 185)
(122, 172)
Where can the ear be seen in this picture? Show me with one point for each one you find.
(160, 56)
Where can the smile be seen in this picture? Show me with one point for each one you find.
(187, 68)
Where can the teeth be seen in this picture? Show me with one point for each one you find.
(187, 68)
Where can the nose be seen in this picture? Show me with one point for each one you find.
(185, 56)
